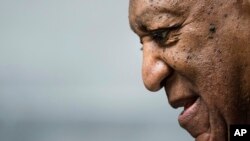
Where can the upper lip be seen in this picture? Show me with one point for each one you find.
(179, 93)
(183, 101)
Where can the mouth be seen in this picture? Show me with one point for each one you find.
(187, 117)
(189, 106)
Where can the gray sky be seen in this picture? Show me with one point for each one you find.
(75, 61)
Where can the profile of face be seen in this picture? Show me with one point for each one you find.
(199, 52)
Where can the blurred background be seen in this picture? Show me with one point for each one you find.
(70, 71)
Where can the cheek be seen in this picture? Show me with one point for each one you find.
(217, 78)
(197, 58)
(180, 59)
(185, 57)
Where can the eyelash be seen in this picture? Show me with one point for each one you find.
(160, 36)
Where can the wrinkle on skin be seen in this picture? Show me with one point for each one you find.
(156, 12)
(208, 57)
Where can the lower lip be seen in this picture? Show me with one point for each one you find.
(185, 118)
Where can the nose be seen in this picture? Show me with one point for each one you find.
(154, 67)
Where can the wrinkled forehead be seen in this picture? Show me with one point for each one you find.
(135, 4)
(139, 6)
(148, 9)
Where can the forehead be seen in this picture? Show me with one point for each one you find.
(141, 11)
(141, 4)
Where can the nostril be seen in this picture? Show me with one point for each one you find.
(165, 81)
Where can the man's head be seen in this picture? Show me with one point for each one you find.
(199, 51)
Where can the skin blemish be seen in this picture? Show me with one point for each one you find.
(200, 63)
(210, 37)
(212, 28)
(219, 51)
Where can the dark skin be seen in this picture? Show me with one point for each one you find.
(199, 52)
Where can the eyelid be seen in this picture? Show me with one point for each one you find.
(164, 36)
(173, 27)
(160, 30)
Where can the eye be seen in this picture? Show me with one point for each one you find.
(167, 35)
(160, 36)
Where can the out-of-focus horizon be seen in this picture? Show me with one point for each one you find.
(70, 70)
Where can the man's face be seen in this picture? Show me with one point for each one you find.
(198, 50)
